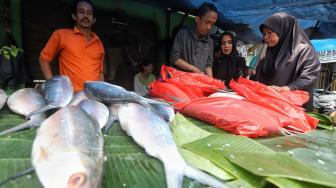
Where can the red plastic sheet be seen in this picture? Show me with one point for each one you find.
(240, 117)
(170, 93)
(182, 79)
(264, 96)
(297, 97)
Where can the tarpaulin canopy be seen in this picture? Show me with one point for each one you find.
(317, 17)
(326, 49)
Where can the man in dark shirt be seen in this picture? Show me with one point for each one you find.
(193, 48)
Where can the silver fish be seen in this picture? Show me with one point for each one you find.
(96, 109)
(23, 102)
(166, 111)
(3, 98)
(109, 93)
(58, 92)
(78, 97)
(68, 150)
(153, 134)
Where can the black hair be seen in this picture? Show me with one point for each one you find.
(146, 62)
(204, 8)
(75, 3)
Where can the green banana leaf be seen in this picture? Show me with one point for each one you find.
(288, 183)
(210, 147)
(280, 165)
(126, 165)
(325, 122)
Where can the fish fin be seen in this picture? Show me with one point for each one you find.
(16, 176)
(111, 119)
(203, 177)
(77, 180)
(174, 176)
(43, 109)
(26, 125)
(157, 102)
(109, 124)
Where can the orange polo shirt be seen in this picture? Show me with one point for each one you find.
(79, 59)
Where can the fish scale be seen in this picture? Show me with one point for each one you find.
(152, 133)
(68, 143)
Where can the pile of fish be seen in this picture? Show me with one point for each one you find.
(325, 101)
(61, 116)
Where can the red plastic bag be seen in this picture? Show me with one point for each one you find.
(237, 116)
(262, 95)
(297, 97)
(186, 79)
(169, 92)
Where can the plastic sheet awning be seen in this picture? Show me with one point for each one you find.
(326, 49)
(317, 17)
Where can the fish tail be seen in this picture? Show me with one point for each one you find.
(174, 176)
(41, 110)
(22, 126)
(203, 177)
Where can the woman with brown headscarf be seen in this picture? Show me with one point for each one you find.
(290, 61)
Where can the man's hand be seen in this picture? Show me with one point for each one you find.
(278, 89)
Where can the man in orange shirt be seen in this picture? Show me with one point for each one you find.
(81, 52)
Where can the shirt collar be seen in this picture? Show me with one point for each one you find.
(94, 36)
(193, 33)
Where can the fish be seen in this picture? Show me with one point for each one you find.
(68, 150)
(78, 97)
(58, 92)
(23, 102)
(152, 133)
(165, 111)
(110, 93)
(97, 110)
(3, 98)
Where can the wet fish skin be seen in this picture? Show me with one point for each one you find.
(34, 121)
(109, 93)
(68, 145)
(97, 110)
(78, 97)
(58, 92)
(165, 111)
(3, 98)
(25, 101)
(153, 134)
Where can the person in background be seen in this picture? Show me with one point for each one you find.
(229, 65)
(290, 61)
(81, 52)
(192, 49)
(143, 79)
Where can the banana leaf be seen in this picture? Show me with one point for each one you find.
(280, 165)
(126, 165)
(286, 183)
(210, 147)
(325, 122)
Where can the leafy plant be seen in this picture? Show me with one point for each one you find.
(10, 51)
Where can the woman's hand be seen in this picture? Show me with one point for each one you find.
(278, 89)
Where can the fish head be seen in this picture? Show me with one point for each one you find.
(66, 170)
(67, 144)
